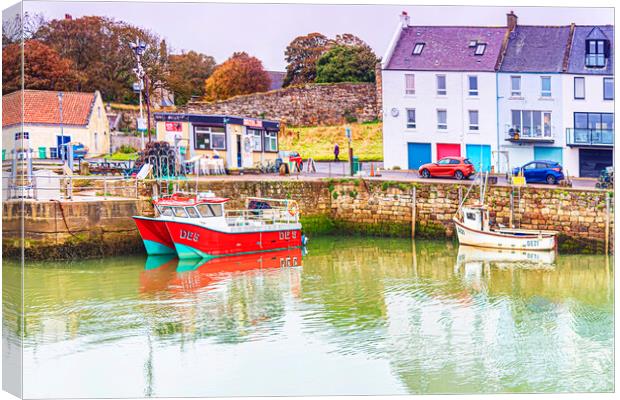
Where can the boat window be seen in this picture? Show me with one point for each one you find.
(470, 216)
(165, 211)
(192, 212)
(179, 212)
(210, 210)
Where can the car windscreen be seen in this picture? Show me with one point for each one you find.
(466, 161)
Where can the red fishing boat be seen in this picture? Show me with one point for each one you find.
(200, 226)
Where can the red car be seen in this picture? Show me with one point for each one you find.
(458, 167)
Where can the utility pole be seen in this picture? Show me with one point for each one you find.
(347, 132)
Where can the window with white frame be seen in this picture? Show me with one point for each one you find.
(411, 118)
(580, 88)
(417, 49)
(515, 86)
(209, 138)
(409, 84)
(473, 120)
(608, 88)
(271, 141)
(442, 119)
(532, 123)
(545, 86)
(480, 48)
(473, 85)
(256, 135)
(441, 85)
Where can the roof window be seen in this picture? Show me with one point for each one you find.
(473, 43)
(480, 48)
(417, 49)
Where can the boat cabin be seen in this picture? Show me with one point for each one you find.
(476, 218)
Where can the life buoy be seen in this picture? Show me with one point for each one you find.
(293, 208)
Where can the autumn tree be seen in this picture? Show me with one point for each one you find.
(301, 55)
(100, 48)
(347, 64)
(44, 68)
(187, 73)
(240, 74)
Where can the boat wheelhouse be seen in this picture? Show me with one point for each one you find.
(200, 227)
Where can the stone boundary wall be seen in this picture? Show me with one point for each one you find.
(347, 206)
(304, 105)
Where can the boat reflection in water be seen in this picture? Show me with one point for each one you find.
(166, 271)
(475, 262)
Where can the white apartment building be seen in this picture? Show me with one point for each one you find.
(439, 94)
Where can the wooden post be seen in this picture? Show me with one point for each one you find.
(512, 205)
(607, 222)
(413, 211)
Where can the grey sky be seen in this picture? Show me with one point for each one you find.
(264, 30)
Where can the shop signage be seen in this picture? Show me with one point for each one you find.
(253, 123)
(173, 127)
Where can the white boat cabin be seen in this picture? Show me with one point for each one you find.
(476, 218)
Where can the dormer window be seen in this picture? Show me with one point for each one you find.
(596, 53)
(417, 49)
(480, 48)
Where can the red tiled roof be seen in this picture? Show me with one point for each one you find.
(41, 107)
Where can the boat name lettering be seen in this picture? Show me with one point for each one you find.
(189, 235)
(288, 235)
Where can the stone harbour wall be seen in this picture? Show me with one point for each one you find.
(80, 229)
(304, 105)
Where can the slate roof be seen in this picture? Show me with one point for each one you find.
(576, 61)
(446, 48)
(536, 49)
(41, 107)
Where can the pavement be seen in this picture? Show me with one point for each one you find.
(341, 169)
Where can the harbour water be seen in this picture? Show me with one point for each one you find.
(359, 316)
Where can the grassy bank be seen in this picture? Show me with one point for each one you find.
(318, 141)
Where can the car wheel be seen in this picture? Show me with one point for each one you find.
(459, 175)
(425, 174)
(551, 179)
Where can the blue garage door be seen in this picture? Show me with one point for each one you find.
(480, 156)
(419, 153)
(548, 153)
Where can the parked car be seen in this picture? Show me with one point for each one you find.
(457, 167)
(541, 171)
(292, 156)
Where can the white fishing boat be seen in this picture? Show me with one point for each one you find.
(473, 228)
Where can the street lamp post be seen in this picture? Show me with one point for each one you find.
(139, 48)
(61, 150)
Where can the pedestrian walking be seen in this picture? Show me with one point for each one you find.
(336, 152)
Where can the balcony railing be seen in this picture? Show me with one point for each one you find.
(529, 135)
(589, 137)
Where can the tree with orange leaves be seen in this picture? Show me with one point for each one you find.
(240, 74)
(44, 68)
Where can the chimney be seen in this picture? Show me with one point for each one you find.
(404, 19)
(511, 21)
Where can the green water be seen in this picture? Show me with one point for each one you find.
(361, 316)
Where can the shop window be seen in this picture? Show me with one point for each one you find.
(209, 137)
(256, 136)
(271, 141)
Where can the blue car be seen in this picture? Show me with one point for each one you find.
(541, 171)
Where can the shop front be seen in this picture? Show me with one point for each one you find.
(241, 142)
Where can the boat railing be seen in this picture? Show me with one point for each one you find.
(269, 216)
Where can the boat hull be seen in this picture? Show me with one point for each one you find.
(472, 237)
(155, 236)
(195, 241)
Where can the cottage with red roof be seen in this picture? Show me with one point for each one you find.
(37, 112)
(439, 93)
